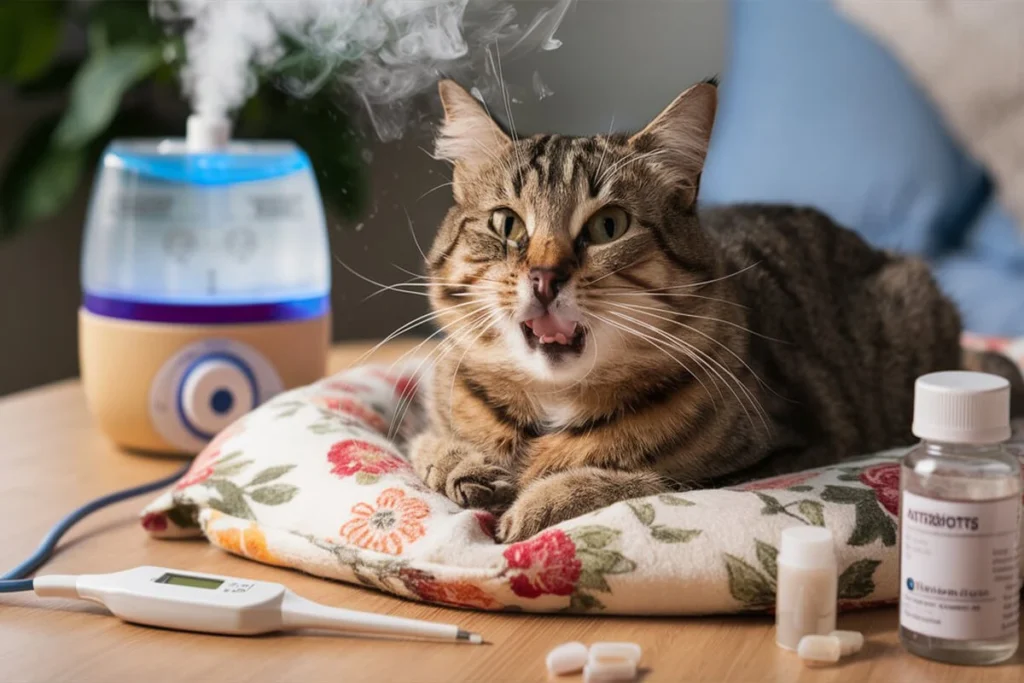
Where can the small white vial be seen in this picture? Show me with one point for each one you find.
(850, 642)
(611, 650)
(805, 600)
(567, 658)
(960, 499)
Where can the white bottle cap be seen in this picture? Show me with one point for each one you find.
(205, 133)
(807, 547)
(962, 407)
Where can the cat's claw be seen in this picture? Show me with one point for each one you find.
(473, 485)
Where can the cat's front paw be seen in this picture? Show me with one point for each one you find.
(463, 475)
(543, 504)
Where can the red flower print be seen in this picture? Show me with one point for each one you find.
(457, 593)
(154, 521)
(395, 519)
(885, 480)
(783, 482)
(545, 564)
(405, 385)
(352, 456)
(195, 476)
(354, 409)
(348, 387)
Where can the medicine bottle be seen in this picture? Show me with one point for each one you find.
(960, 503)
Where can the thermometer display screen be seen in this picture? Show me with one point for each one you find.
(190, 581)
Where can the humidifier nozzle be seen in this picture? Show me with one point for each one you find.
(207, 133)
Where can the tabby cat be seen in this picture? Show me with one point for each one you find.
(605, 340)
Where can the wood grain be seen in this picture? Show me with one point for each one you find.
(52, 459)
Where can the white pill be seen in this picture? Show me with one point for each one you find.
(609, 670)
(567, 658)
(630, 651)
(849, 641)
(819, 648)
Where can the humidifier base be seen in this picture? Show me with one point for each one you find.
(170, 388)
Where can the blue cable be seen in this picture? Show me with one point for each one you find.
(14, 580)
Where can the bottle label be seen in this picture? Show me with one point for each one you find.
(959, 572)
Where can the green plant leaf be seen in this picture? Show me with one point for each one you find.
(856, 581)
(232, 501)
(270, 474)
(813, 511)
(674, 500)
(594, 536)
(275, 494)
(30, 33)
(747, 584)
(643, 511)
(768, 555)
(668, 534)
(592, 580)
(98, 88)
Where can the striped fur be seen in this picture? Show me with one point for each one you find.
(717, 345)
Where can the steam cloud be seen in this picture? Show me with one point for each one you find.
(384, 51)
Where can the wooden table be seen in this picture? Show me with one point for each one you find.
(53, 459)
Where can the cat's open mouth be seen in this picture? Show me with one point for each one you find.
(554, 335)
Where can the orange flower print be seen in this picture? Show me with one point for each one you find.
(396, 519)
(457, 593)
(249, 542)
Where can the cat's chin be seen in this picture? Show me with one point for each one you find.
(555, 362)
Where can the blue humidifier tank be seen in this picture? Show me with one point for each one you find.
(206, 285)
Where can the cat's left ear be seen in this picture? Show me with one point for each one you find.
(682, 131)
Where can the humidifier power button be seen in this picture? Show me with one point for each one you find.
(215, 391)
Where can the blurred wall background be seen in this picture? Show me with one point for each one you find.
(619, 58)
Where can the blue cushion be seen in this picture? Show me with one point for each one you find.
(813, 111)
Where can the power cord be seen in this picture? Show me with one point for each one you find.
(16, 580)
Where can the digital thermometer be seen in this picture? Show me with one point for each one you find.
(174, 599)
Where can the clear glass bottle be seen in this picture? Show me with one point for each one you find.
(960, 502)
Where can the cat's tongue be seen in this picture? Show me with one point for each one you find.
(549, 328)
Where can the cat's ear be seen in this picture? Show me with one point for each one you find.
(469, 136)
(682, 131)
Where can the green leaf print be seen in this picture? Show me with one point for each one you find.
(366, 478)
(594, 536)
(857, 582)
(274, 494)
(800, 488)
(674, 500)
(771, 505)
(584, 602)
(604, 561)
(813, 511)
(184, 516)
(231, 469)
(747, 584)
(591, 580)
(232, 500)
(668, 534)
(768, 555)
(643, 511)
(872, 523)
(270, 474)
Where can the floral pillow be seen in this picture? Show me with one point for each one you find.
(311, 481)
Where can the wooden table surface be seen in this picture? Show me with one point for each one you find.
(52, 459)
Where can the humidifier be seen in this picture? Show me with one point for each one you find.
(206, 282)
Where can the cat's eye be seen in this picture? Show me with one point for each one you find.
(607, 225)
(508, 225)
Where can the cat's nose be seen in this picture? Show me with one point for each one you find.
(547, 282)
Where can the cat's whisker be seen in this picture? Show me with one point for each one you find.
(374, 282)
(650, 311)
(435, 189)
(632, 158)
(408, 327)
(660, 346)
(638, 262)
(633, 292)
(751, 398)
(703, 283)
(604, 152)
(494, 316)
(638, 307)
(412, 231)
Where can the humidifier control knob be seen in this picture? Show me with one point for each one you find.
(215, 391)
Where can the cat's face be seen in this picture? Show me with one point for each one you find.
(555, 243)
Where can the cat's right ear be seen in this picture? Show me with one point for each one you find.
(469, 137)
